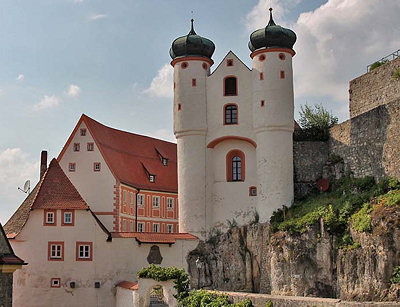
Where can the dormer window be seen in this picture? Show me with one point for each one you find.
(152, 178)
(164, 161)
(229, 62)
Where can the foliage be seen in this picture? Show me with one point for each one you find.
(361, 220)
(256, 218)
(202, 298)
(377, 64)
(180, 277)
(396, 74)
(315, 122)
(269, 304)
(396, 275)
(214, 235)
(232, 224)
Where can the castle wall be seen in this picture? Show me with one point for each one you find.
(373, 89)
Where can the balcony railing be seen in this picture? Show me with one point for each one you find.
(387, 58)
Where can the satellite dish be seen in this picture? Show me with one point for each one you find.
(27, 187)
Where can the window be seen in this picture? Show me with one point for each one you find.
(229, 62)
(179, 107)
(262, 103)
(96, 166)
(90, 146)
(55, 251)
(170, 203)
(84, 251)
(184, 65)
(282, 56)
(282, 74)
(152, 178)
(50, 218)
(165, 161)
(68, 218)
(235, 166)
(261, 57)
(204, 65)
(261, 76)
(77, 146)
(130, 226)
(140, 200)
(131, 198)
(170, 228)
(140, 227)
(156, 227)
(125, 225)
(252, 191)
(124, 196)
(194, 82)
(230, 86)
(231, 114)
(83, 132)
(55, 282)
(72, 167)
(156, 201)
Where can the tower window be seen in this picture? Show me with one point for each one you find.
(261, 76)
(83, 132)
(164, 161)
(230, 86)
(282, 56)
(262, 103)
(96, 166)
(229, 62)
(282, 74)
(205, 67)
(261, 57)
(77, 146)
(235, 166)
(193, 82)
(231, 114)
(184, 65)
(179, 107)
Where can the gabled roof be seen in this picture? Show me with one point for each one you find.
(7, 255)
(125, 154)
(151, 237)
(230, 54)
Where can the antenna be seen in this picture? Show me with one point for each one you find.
(27, 187)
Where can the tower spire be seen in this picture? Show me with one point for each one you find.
(192, 32)
(271, 20)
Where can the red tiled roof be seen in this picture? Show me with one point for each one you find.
(151, 237)
(130, 285)
(126, 153)
(56, 191)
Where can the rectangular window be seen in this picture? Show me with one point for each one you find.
(83, 132)
(50, 218)
(55, 251)
(262, 103)
(156, 227)
(55, 282)
(84, 251)
(170, 228)
(282, 74)
(77, 146)
(140, 200)
(72, 167)
(152, 178)
(170, 203)
(130, 226)
(96, 166)
(140, 227)
(68, 218)
(124, 197)
(125, 225)
(229, 62)
(165, 161)
(131, 198)
(156, 201)
(90, 146)
(261, 76)
(193, 82)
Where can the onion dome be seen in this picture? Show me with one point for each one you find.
(192, 45)
(272, 36)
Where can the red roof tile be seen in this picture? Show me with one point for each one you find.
(130, 285)
(56, 191)
(126, 153)
(151, 237)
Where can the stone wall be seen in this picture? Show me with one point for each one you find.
(6, 281)
(370, 142)
(374, 89)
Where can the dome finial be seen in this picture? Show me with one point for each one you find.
(271, 20)
(192, 32)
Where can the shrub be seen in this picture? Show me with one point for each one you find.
(232, 224)
(200, 298)
(396, 74)
(396, 275)
(361, 220)
(256, 218)
(377, 64)
(269, 304)
(391, 198)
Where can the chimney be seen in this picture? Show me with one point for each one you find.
(43, 163)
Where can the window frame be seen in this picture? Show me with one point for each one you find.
(141, 227)
(229, 165)
(152, 178)
(83, 132)
(141, 203)
(158, 227)
(170, 207)
(72, 167)
(90, 256)
(50, 257)
(52, 280)
(63, 212)
(95, 164)
(45, 217)
(90, 146)
(229, 107)
(76, 147)
(172, 228)
(154, 197)
(236, 92)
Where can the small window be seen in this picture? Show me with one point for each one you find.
(236, 169)
(50, 218)
(90, 146)
(194, 82)
(130, 226)
(131, 199)
(140, 200)
(83, 132)
(125, 225)
(170, 203)
(140, 227)
(170, 228)
(124, 196)
(72, 167)
(205, 67)
(84, 251)
(282, 74)
(231, 114)
(68, 218)
(165, 161)
(156, 201)
(261, 57)
(282, 56)
(96, 166)
(229, 62)
(156, 227)
(262, 103)
(184, 65)
(77, 146)
(56, 251)
(252, 191)
(179, 107)
(261, 76)
(230, 86)
(55, 282)
(152, 178)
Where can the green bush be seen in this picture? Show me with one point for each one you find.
(269, 304)
(202, 298)
(396, 74)
(391, 198)
(396, 275)
(361, 220)
(377, 64)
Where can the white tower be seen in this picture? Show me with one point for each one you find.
(191, 59)
(273, 108)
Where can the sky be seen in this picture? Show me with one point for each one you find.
(110, 60)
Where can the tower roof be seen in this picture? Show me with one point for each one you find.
(272, 36)
(192, 44)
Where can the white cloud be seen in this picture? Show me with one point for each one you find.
(15, 169)
(47, 102)
(97, 16)
(163, 134)
(20, 77)
(162, 83)
(335, 43)
(74, 90)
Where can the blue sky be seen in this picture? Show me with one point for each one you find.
(109, 59)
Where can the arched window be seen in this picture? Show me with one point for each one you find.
(230, 86)
(230, 114)
(235, 166)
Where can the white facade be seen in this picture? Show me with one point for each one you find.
(262, 135)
